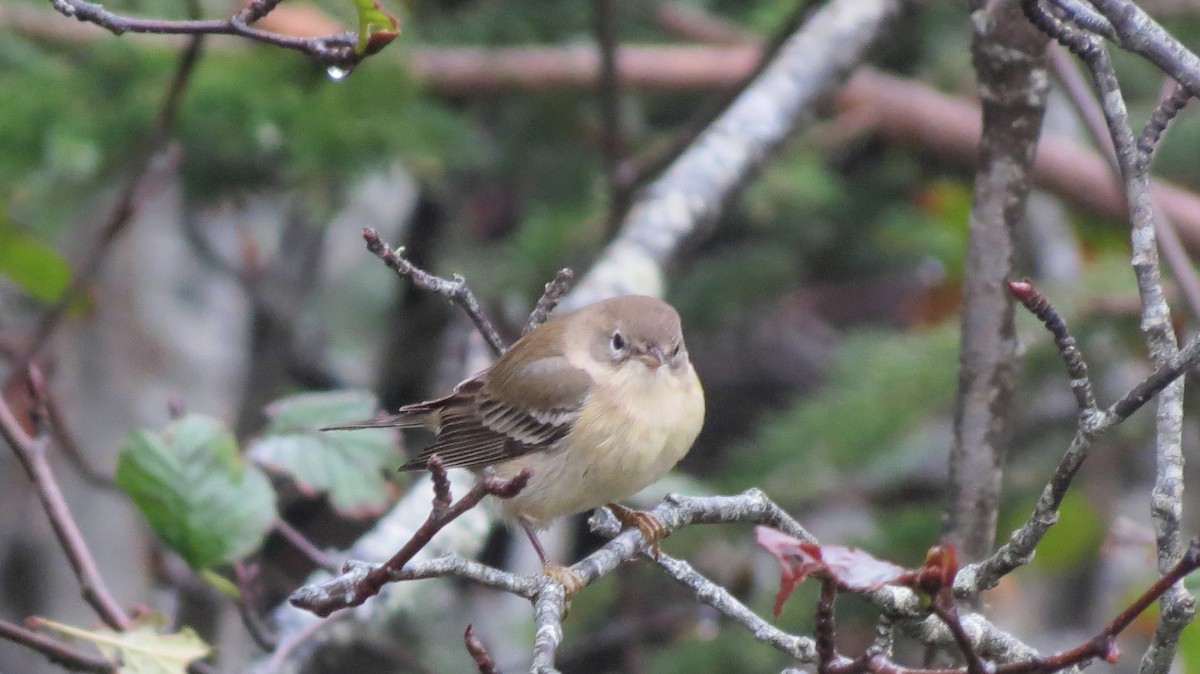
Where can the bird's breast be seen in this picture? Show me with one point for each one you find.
(635, 425)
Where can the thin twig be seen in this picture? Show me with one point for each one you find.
(456, 289)
(824, 626)
(31, 454)
(1177, 606)
(1088, 108)
(1077, 370)
(305, 546)
(943, 607)
(58, 653)
(555, 289)
(361, 583)
(245, 576)
(62, 433)
(331, 51)
(479, 652)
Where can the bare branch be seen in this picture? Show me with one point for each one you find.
(359, 583)
(1077, 370)
(555, 289)
(31, 454)
(456, 289)
(691, 192)
(1009, 58)
(337, 51)
(58, 653)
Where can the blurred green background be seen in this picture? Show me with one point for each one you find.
(821, 310)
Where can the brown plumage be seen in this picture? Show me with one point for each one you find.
(597, 403)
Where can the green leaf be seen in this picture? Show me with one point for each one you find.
(376, 27)
(36, 267)
(199, 496)
(143, 649)
(349, 466)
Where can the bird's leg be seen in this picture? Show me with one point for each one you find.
(570, 580)
(652, 528)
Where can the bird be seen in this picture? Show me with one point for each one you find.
(597, 404)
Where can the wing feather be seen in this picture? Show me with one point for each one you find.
(504, 413)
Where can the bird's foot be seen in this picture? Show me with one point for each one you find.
(652, 528)
(563, 575)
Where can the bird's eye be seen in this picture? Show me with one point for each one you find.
(618, 342)
(675, 351)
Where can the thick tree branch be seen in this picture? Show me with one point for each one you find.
(1009, 57)
(676, 207)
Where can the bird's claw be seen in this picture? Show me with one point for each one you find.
(652, 528)
(563, 575)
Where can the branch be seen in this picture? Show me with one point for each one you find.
(58, 653)
(456, 289)
(479, 653)
(1077, 370)
(1009, 58)
(1177, 606)
(1086, 105)
(358, 584)
(676, 207)
(31, 454)
(1019, 548)
(555, 289)
(333, 51)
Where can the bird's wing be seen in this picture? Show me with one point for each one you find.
(506, 412)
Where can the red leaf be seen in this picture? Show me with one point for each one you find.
(851, 568)
(795, 562)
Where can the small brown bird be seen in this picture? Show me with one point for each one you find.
(597, 403)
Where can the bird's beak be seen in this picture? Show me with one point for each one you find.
(653, 357)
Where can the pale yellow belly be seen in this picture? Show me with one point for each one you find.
(617, 448)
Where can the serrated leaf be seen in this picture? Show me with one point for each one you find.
(200, 497)
(142, 649)
(348, 466)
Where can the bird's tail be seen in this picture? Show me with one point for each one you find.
(402, 419)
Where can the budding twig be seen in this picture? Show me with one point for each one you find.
(479, 653)
(1038, 305)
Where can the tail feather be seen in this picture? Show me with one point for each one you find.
(402, 419)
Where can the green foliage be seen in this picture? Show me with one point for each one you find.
(349, 466)
(880, 388)
(199, 496)
(259, 118)
(495, 22)
(373, 19)
(270, 119)
(67, 122)
(37, 268)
